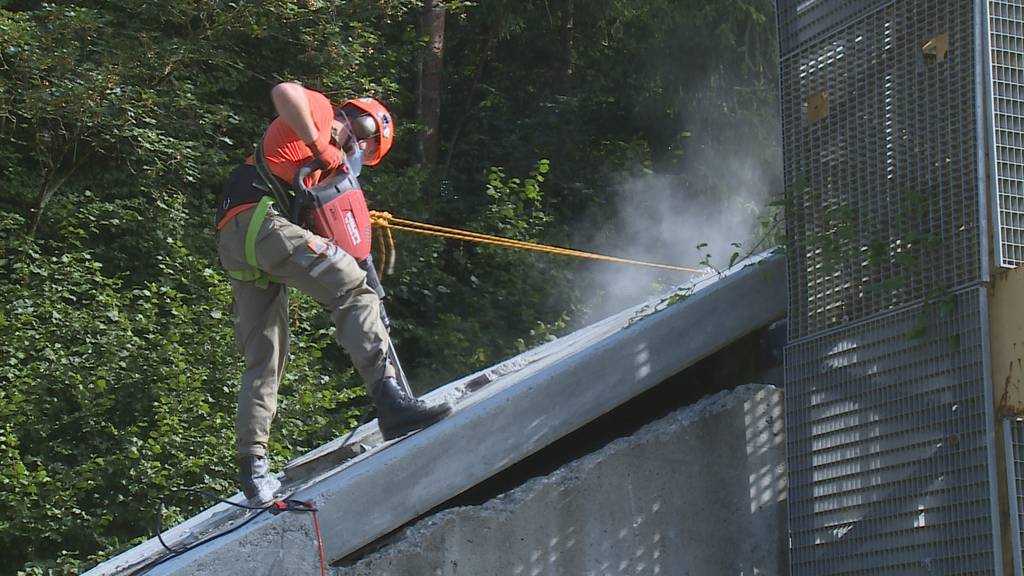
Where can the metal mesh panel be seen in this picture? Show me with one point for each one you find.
(1006, 42)
(881, 164)
(804, 21)
(887, 423)
(1013, 440)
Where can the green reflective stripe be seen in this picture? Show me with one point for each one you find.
(254, 274)
(245, 275)
(257, 277)
(254, 230)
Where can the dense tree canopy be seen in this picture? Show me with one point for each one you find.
(119, 120)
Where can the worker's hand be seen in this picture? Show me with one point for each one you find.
(330, 156)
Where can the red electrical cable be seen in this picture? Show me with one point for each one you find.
(320, 544)
(288, 505)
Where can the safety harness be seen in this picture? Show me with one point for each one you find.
(335, 209)
(282, 198)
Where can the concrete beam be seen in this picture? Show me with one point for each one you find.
(531, 401)
(700, 491)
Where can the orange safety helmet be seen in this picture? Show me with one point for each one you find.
(371, 123)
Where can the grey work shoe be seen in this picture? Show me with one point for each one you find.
(399, 413)
(258, 484)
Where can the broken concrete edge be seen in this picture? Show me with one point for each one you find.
(410, 540)
(209, 521)
(524, 372)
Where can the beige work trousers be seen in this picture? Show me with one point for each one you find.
(295, 258)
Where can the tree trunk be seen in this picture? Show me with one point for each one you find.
(428, 101)
(565, 64)
(485, 55)
(53, 179)
(565, 79)
(50, 184)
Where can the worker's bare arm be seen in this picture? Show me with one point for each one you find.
(292, 105)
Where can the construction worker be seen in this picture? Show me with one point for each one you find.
(282, 254)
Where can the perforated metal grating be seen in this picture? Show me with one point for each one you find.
(887, 423)
(1006, 43)
(881, 164)
(804, 21)
(1013, 441)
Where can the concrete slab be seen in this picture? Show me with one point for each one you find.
(501, 415)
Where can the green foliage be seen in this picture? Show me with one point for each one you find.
(115, 394)
(118, 123)
(658, 87)
(456, 306)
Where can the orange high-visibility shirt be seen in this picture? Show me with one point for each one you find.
(285, 151)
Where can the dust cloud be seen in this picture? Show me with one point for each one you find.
(714, 201)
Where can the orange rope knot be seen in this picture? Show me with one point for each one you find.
(382, 219)
(388, 255)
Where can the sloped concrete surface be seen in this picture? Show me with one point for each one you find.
(699, 492)
(501, 415)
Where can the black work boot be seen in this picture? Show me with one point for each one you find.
(258, 484)
(399, 413)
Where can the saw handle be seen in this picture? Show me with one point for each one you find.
(303, 197)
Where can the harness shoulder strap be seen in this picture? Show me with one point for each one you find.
(254, 274)
(281, 195)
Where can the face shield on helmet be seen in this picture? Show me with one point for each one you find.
(370, 125)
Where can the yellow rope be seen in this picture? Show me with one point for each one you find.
(386, 221)
(378, 243)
